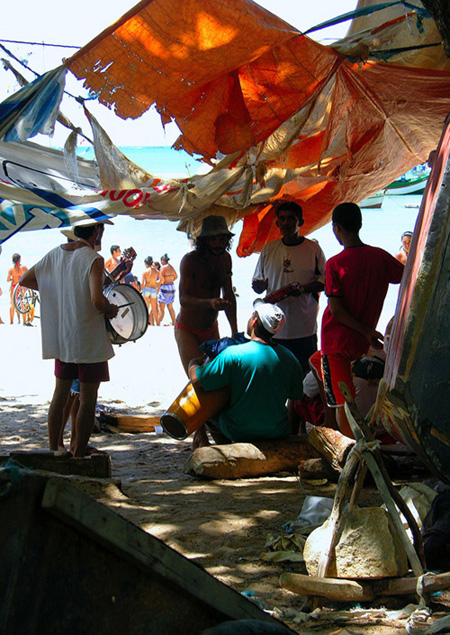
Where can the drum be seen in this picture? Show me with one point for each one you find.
(191, 409)
(131, 321)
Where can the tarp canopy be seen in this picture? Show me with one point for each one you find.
(276, 113)
(254, 86)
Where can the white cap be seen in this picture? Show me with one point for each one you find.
(271, 316)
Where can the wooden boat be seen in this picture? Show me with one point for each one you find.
(412, 182)
(71, 565)
(373, 202)
(418, 361)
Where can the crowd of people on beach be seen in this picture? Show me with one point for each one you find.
(268, 369)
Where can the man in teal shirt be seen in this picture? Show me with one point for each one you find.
(261, 376)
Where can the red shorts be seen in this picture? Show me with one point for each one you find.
(86, 373)
(330, 370)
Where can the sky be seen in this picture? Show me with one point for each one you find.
(58, 23)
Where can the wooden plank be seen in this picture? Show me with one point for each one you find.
(107, 528)
(95, 465)
(360, 591)
(331, 588)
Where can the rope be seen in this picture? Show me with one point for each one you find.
(367, 11)
(62, 46)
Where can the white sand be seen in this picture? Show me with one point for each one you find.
(222, 525)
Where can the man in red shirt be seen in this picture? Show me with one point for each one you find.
(356, 283)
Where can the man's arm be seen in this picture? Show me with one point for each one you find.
(313, 287)
(193, 365)
(101, 303)
(317, 285)
(230, 309)
(375, 338)
(29, 280)
(259, 281)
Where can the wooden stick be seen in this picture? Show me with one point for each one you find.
(381, 396)
(344, 590)
(331, 588)
(407, 586)
(363, 433)
(358, 485)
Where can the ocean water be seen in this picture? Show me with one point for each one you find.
(381, 227)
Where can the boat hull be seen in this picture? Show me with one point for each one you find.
(416, 410)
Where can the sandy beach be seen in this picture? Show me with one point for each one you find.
(223, 525)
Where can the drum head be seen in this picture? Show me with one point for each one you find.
(131, 321)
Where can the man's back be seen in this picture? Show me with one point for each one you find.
(72, 328)
(261, 378)
(360, 277)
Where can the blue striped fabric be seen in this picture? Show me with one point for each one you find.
(34, 108)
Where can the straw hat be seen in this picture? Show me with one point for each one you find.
(214, 226)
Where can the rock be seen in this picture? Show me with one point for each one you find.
(367, 546)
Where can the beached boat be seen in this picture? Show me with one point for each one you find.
(418, 360)
(373, 202)
(72, 565)
(412, 182)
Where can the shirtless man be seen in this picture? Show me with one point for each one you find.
(14, 275)
(166, 293)
(150, 286)
(114, 260)
(205, 289)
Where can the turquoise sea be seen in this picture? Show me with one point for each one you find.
(381, 227)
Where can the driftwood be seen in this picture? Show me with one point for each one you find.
(240, 460)
(135, 423)
(332, 445)
(316, 469)
(361, 591)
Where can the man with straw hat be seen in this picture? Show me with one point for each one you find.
(70, 281)
(205, 289)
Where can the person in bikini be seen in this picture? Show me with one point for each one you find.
(151, 282)
(166, 293)
(205, 289)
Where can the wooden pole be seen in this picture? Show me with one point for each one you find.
(361, 434)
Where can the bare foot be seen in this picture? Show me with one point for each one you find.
(200, 439)
(91, 450)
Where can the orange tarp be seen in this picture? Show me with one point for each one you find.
(240, 81)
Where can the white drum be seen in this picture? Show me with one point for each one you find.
(131, 321)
